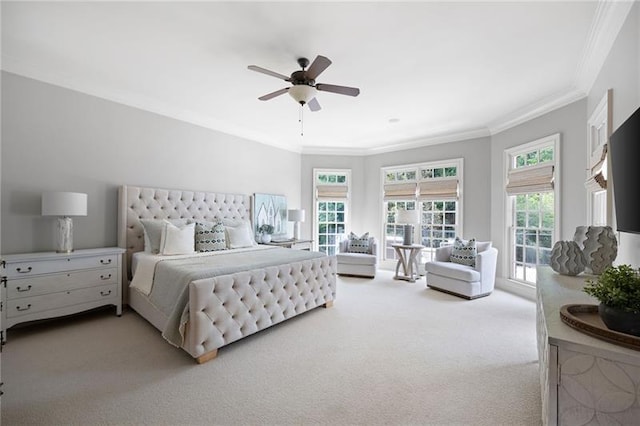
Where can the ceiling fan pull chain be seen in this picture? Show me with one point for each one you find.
(301, 120)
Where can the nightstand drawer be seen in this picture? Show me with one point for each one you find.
(29, 268)
(35, 304)
(42, 284)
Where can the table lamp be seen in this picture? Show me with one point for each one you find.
(296, 216)
(408, 218)
(64, 205)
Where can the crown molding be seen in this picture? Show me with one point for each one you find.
(536, 109)
(400, 146)
(609, 18)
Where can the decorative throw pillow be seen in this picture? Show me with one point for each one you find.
(153, 232)
(210, 236)
(463, 252)
(359, 244)
(239, 236)
(175, 240)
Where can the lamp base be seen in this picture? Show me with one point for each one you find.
(296, 230)
(64, 235)
(408, 235)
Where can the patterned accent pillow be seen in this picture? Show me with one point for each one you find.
(210, 236)
(358, 244)
(464, 253)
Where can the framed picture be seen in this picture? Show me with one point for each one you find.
(270, 209)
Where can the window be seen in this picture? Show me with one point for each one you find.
(432, 189)
(331, 189)
(599, 132)
(532, 179)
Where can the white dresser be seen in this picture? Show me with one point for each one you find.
(48, 284)
(584, 380)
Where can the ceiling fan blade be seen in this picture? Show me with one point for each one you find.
(269, 72)
(342, 90)
(314, 105)
(319, 64)
(273, 94)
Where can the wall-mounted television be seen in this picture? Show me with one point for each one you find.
(625, 168)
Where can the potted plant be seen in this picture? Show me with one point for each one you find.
(618, 290)
(265, 231)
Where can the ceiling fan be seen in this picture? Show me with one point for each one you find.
(304, 87)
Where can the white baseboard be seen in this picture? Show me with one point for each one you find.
(519, 289)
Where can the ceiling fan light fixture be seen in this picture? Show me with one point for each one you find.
(302, 93)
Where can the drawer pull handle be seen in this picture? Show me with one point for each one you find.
(25, 308)
(22, 290)
(105, 293)
(105, 277)
(105, 263)
(24, 271)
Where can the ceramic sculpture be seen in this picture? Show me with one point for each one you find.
(599, 245)
(567, 258)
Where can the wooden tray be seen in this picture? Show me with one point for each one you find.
(585, 318)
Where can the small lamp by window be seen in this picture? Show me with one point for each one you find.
(64, 205)
(408, 218)
(296, 216)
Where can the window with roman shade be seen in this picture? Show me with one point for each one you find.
(532, 205)
(331, 208)
(434, 189)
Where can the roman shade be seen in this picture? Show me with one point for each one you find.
(530, 179)
(598, 179)
(332, 192)
(400, 191)
(438, 189)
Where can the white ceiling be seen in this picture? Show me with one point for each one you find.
(428, 71)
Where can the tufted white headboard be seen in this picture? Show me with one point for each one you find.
(137, 203)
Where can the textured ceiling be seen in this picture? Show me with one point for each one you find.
(428, 71)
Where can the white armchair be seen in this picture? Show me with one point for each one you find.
(358, 264)
(462, 280)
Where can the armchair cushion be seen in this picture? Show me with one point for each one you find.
(453, 270)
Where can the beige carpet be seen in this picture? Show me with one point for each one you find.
(388, 352)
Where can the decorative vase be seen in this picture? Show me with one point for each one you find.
(567, 258)
(619, 320)
(266, 238)
(599, 245)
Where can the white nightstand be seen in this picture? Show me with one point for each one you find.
(48, 284)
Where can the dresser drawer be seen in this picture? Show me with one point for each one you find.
(29, 268)
(45, 302)
(43, 284)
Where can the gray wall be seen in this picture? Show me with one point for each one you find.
(62, 140)
(621, 72)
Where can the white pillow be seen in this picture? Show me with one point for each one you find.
(176, 240)
(153, 229)
(239, 236)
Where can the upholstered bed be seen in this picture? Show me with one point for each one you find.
(235, 293)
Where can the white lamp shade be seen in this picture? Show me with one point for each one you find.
(295, 215)
(302, 93)
(407, 216)
(64, 204)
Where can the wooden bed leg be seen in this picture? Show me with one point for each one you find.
(328, 304)
(207, 357)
